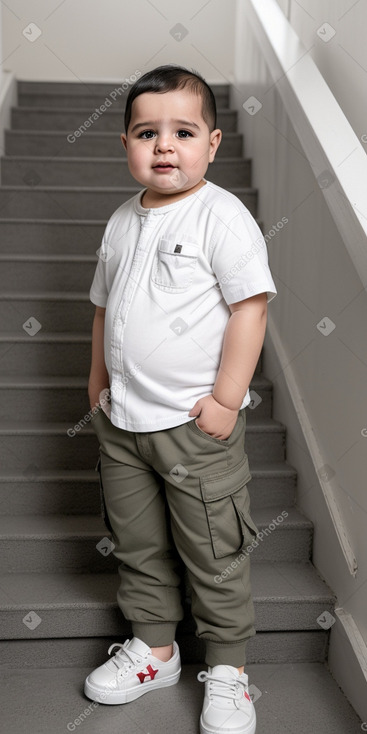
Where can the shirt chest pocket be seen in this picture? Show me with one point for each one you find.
(174, 265)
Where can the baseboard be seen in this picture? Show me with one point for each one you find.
(347, 661)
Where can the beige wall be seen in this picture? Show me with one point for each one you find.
(343, 59)
(110, 40)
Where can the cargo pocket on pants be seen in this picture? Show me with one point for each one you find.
(226, 499)
(104, 512)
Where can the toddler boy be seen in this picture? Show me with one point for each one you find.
(181, 292)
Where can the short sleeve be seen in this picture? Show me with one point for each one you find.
(98, 293)
(240, 259)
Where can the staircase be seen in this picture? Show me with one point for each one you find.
(58, 582)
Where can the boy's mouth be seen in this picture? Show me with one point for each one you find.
(163, 167)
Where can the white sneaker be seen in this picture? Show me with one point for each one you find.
(227, 708)
(130, 673)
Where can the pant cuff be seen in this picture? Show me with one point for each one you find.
(222, 653)
(155, 634)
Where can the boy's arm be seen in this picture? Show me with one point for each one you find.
(243, 340)
(98, 377)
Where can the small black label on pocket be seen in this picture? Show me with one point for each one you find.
(178, 248)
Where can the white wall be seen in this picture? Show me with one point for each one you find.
(315, 278)
(85, 40)
(342, 60)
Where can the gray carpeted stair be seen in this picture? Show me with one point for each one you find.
(291, 698)
(55, 199)
(96, 144)
(51, 171)
(47, 445)
(78, 202)
(70, 118)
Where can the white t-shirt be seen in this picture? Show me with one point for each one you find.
(166, 277)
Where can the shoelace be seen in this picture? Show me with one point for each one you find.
(224, 687)
(124, 659)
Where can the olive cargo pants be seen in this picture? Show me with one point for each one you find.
(180, 493)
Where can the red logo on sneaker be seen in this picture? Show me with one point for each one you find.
(150, 674)
(247, 696)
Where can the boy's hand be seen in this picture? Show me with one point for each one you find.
(215, 419)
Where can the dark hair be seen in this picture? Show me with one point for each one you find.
(166, 79)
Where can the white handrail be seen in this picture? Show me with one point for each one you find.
(8, 99)
(325, 134)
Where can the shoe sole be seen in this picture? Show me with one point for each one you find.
(113, 697)
(251, 729)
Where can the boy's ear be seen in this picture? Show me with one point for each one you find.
(214, 142)
(124, 140)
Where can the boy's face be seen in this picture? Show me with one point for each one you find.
(168, 143)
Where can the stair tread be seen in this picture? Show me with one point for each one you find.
(37, 381)
(268, 425)
(36, 258)
(91, 133)
(284, 693)
(85, 526)
(43, 296)
(99, 159)
(62, 475)
(56, 222)
(30, 86)
(288, 582)
(276, 468)
(42, 381)
(86, 110)
(105, 189)
(57, 336)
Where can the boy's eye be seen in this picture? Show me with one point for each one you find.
(147, 134)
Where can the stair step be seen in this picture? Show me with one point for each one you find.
(77, 492)
(273, 647)
(68, 272)
(283, 695)
(85, 100)
(57, 354)
(51, 352)
(71, 119)
(107, 97)
(272, 484)
(43, 397)
(72, 94)
(49, 142)
(81, 202)
(51, 236)
(46, 446)
(57, 312)
(287, 596)
(85, 171)
(67, 543)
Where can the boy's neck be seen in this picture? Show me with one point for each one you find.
(152, 199)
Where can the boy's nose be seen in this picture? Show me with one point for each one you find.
(163, 144)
